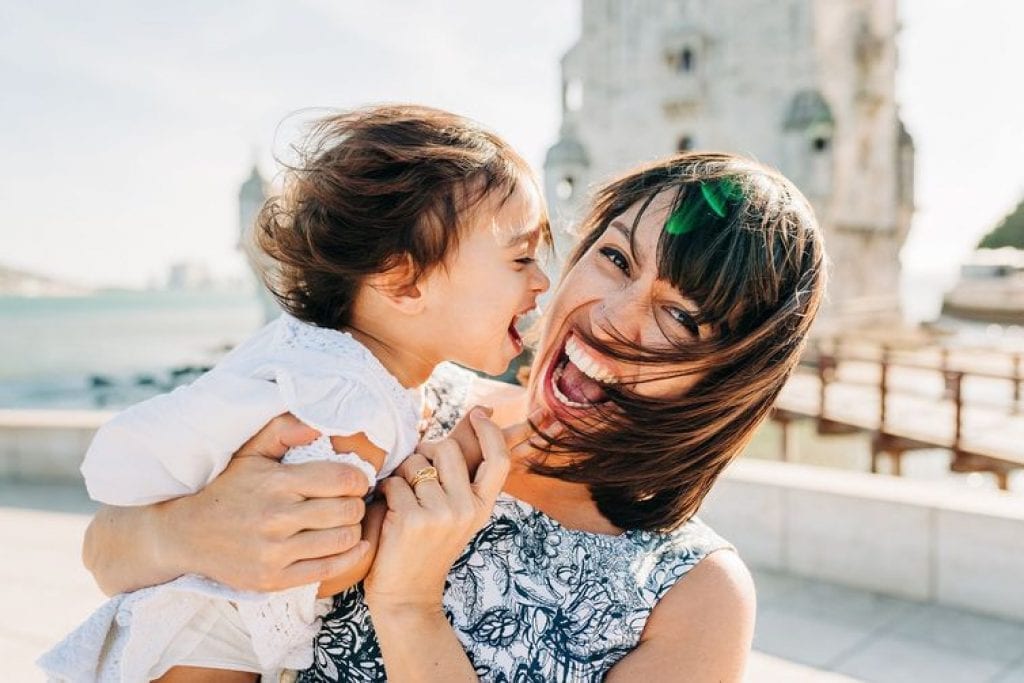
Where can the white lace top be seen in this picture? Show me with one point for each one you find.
(177, 443)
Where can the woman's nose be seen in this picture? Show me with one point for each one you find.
(619, 316)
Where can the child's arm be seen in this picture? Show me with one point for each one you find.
(174, 444)
(365, 449)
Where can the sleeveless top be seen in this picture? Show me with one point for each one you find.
(530, 600)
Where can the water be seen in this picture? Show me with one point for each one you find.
(114, 348)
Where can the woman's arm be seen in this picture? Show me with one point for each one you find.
(423, 533)
(260, 525)
(703, 626)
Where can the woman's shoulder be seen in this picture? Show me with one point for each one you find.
(704, 623)
(720, 578)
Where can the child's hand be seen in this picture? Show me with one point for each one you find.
(520, 438)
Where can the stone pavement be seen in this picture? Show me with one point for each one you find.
(807, 630)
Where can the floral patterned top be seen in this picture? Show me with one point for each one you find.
(530, 600)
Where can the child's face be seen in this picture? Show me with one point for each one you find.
(491, 280)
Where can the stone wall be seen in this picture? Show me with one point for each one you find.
(916, 540)
(46, 446)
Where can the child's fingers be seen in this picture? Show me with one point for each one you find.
(463, 435)
(452, 469)
(522, 431)
(490, 477)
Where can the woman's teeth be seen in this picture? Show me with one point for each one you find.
(586, 363)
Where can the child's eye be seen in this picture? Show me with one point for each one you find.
(684, 318)
(616, 257)
(526, 260)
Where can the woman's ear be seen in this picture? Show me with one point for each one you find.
(399, 287)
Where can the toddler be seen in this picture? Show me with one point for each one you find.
(404, 237)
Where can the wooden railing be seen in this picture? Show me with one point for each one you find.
(964, 399)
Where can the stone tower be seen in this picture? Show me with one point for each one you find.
(251, 196)
(807, 86)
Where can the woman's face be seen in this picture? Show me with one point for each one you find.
(614, 288)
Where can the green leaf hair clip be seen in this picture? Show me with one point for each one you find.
(714, 199)
(716, 196)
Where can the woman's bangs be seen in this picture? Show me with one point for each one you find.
(703, 255)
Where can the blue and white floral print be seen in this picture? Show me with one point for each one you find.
(530, 600)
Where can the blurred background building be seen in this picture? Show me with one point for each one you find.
(251, 197)
(807, 86)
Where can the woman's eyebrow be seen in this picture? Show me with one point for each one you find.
(627, 234)
(623, 228)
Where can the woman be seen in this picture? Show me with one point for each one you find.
(681, 313)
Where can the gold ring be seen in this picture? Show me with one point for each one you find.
(429, 472)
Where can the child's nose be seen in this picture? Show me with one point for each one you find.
(541, 282)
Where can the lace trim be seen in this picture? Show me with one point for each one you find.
(300, 335)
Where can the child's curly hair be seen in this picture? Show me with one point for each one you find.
(373, 187)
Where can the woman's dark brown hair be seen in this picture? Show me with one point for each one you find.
(743, 244)
(372, 188)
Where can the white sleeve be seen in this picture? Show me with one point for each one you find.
(337, 401)
(175, 444)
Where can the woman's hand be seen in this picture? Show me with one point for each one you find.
(426, 528)
(260, 525)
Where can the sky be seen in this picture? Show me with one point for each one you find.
(126, 128)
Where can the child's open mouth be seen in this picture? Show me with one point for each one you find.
(578, 379)
(513, 333)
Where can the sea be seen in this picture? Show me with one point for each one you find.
(114, 348)
(110, 349)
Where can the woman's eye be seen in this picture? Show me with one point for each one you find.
(684, 318)
(616, 257)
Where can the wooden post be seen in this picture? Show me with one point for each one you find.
(883, 388)
(947, 391)
(826, 363)
(956, 381)
(1016, 383)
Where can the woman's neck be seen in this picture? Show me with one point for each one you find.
(568, 503)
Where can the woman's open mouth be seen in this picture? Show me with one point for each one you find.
(577, 378)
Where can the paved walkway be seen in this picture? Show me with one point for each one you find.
(807, 630)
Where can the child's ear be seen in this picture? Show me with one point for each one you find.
(399, 287)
